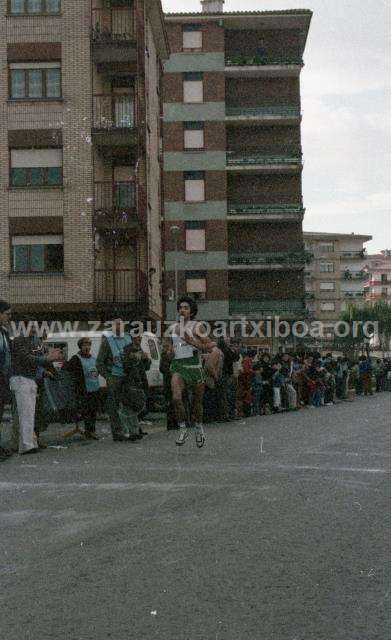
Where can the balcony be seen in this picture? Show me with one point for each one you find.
(279, 114)
(267, 308)
(354, 275)
(264, 65)
(114, 120)
(265, 212)
(113, 35)
(353, 294)
(353, 255)
(115, 204)
(124, 286)
(287, 159)
(276, 260)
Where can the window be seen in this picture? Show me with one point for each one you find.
(192, 36)
(194, 186)
(195, 236)
(384, 278)
(384, 292)
(193, 135)
(193, 87)
(327, 286)
(327, 306)
(326, 267)
(35, 80)
(326, 247)
(196, 284)
(34, 7)
(36, 167)
(37, 254)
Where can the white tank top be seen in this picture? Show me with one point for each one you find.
(181, 348)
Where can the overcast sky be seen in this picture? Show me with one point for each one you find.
(346, 103)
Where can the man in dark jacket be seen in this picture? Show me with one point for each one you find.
(29, 362)
(84, 372)
(5, 366)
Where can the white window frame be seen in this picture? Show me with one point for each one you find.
(197, 286)
(195, 190)
(195, 239)
(327, 306)
(326, 247)
(330, 286)
(326, 264)
(192, 40)
(38, 240)
(193, 91)
(193, 139)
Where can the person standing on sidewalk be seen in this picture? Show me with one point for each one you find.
(110, 365)
(227, 383)
(29, 362)
(5, 367)
(82, 368)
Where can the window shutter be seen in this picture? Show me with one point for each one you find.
(27, 158)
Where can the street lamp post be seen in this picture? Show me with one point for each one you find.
(175, 231)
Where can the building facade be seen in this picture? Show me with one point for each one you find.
(377, 285)
(335, 277)
(233, 162)
(80, 145)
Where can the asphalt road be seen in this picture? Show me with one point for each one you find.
(279, 529)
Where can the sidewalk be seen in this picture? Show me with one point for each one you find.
(54, 435)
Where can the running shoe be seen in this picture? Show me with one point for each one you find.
(183, 434)
(200, 435)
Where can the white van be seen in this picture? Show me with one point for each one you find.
(150, 344)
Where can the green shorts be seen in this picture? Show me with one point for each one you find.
(189, 369)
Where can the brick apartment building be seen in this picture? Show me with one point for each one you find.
(335, 277)
(80, 145)
(233, 161)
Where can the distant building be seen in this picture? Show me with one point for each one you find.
(378, 283)
(336, 274)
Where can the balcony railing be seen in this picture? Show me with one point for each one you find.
(282, 257)
(354, 275)
(115, 25)
(125, 286)
(264, 209)
(269, 156)
(354, 254)
(114, 201)
(353, 294)
(259, 59)
(278, 111)
(111, 111)
(266, 307)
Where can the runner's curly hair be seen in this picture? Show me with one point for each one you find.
(192, 304)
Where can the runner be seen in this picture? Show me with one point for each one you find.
(186, 369)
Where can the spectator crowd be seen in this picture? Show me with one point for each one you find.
(239, 382)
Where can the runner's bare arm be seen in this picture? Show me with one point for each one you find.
(199, 341)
